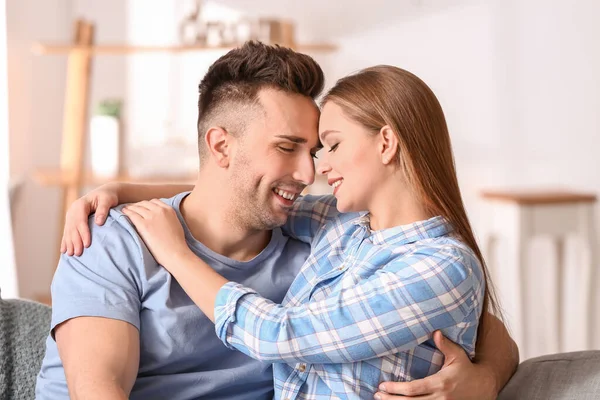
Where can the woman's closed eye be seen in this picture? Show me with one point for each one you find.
(334, 147)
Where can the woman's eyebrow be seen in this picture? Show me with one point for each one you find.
(325, 133)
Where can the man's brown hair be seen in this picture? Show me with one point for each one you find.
(231, 85)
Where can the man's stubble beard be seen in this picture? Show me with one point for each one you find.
(251, 202)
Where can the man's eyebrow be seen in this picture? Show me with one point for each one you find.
(299, 140)
(292, 138)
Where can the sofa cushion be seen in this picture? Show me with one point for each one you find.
(24, 327)
(556, 377)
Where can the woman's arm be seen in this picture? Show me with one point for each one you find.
(377, 317)
(134, 192)
(395, 309)
(307, 216)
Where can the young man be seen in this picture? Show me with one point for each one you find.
(122, 327)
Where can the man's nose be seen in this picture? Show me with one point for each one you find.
(305, 170)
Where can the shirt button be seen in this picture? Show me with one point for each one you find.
(302, 367)
(341, 268)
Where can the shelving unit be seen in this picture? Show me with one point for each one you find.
(57, 177)
(115, 49)
(71, 177)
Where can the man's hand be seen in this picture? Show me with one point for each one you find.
(76, 234)
(458, 379)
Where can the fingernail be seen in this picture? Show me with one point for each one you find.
(382, 387)
(377, 396)
(442, 338)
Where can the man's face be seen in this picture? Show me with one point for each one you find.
(273, 159)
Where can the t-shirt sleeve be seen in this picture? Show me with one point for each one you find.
(104, 281)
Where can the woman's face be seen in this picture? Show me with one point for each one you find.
(350, 158)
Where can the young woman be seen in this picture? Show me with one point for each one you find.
(396, 263)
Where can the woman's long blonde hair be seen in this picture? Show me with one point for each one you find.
(387, 95)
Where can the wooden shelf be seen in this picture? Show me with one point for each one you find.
(539, 196)
(56, 177)
(46, 48)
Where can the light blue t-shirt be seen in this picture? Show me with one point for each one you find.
(180, 355)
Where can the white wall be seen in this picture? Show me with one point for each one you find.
(36, 86)
(109, 72)
(518, 80)
(36, 95)
(8, 274)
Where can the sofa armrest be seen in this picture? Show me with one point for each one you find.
(556, 377)
(24, 327)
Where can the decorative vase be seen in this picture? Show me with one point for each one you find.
(104, 144)
(104, 139)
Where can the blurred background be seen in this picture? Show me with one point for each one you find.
(99, 91)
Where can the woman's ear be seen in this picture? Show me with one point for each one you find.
(217, 141)
(389, 144)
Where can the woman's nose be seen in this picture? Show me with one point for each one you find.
(323, 167)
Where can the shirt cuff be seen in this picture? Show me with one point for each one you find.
(225, 309)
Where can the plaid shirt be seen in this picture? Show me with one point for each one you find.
(363, 308)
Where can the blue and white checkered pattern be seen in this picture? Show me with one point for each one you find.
(363, 308)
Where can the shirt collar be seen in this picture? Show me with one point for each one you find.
(409, 233)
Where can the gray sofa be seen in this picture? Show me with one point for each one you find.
(23, 331)
(556, 377)
(24, 328)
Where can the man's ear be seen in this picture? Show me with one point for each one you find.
(389, 144)
(217, 141)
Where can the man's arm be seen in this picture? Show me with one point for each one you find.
(96, 303)
(100, 357)
(496, 351)
(497, 357)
